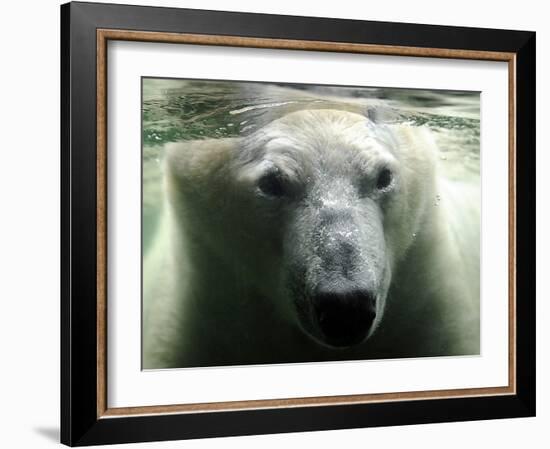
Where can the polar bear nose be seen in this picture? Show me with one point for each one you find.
(344, 316)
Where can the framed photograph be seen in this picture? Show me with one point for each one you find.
(281, 224)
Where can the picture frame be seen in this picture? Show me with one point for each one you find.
(86, 30)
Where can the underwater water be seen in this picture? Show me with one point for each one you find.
(174, 110)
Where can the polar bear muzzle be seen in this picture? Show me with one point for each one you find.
(339, 273)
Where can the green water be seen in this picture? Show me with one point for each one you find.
(175, 110)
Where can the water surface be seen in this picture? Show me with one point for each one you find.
(174, 110)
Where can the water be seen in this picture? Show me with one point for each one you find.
(191, 109)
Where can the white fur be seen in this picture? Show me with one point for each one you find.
(214, 281)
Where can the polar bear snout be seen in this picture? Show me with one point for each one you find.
(344, 316)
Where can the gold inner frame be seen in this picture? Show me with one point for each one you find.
(104, 35)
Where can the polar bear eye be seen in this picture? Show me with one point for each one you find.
(384, 179)
(271, 184)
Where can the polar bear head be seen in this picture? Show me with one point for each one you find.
(315, 210)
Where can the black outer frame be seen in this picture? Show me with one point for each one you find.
(79, 422)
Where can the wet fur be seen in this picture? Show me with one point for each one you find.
(217, 282)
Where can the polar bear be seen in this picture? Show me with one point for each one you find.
(321, 236)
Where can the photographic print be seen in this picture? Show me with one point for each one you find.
(287, 223)
(304, 237)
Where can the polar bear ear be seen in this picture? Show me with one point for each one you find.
(382, 114)
(195, 164)
(415, 140)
